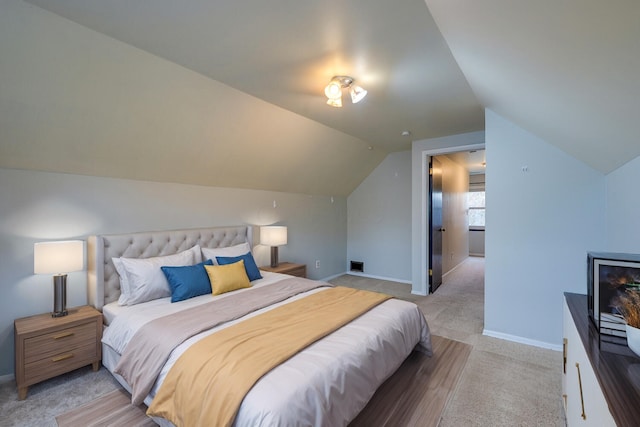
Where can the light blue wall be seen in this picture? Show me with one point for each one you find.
(379, 220)
(623, 208)
(540, 224)
(38, 206)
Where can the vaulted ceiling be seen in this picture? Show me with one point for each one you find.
(566, 71)
(285, 52)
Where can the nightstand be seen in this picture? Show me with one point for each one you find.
(49, 346)
(299, 270)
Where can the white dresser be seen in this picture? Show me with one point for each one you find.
(596, 385)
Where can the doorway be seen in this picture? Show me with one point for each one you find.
(421, 153)
(450, 212)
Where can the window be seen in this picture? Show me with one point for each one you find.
(476, 205)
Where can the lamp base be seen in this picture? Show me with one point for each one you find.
(274, 256)
(59, 295)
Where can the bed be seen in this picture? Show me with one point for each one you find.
(327, 383)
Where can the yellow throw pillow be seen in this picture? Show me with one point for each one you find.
(227, 278)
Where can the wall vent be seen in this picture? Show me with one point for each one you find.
(357, 266)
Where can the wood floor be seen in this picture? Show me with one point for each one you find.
(112, 409)
(417, 393)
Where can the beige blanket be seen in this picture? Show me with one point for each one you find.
(209, 381)
(151, 346)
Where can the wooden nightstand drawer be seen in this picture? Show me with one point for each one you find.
(53, 343)
(60, 363)
(49, 346)
(299, 270)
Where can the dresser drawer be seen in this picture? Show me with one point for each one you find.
(60, 363)
(51, 344)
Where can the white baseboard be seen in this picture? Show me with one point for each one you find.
(7, 378)
(460, 263)
(326, 279)
(521, 340)
(454, 268)
(370, 276)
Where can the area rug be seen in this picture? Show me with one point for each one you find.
(112, 409)
(416, 394)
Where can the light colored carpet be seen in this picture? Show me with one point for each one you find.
(497, 390)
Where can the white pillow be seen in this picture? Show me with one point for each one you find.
(122, 272)
(142, 280)
(237, 250)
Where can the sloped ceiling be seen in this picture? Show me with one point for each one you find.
(285, 52)
(229, 93)
(277, 56)
(567, 70)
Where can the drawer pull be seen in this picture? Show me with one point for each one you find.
(63, 357)
(584, 416)
(564, 355)
(62, 335)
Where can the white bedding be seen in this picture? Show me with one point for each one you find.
(137, 315)
(327, 384)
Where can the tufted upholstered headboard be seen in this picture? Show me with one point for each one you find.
(103, 283)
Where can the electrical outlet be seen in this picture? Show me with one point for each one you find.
(318, 263)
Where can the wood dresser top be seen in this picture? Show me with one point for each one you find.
(616, 367)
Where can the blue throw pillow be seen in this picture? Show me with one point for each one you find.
(253, 272)
(188, 281)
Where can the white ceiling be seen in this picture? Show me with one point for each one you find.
(285, 52)
(563, 70)
(567, 71)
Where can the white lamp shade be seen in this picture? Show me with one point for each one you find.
(58, 257)
(337, 102)
(357, 94)
(273, 235)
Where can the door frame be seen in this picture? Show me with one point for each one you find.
(420, 215)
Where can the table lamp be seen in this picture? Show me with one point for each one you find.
(58, 258)
(273, 236)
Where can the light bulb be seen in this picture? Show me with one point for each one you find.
(333, 90)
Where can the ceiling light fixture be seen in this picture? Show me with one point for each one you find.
(334, 90)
